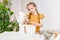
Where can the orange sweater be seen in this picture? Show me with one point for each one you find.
(34, 18)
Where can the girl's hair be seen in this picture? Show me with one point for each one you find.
(32, 3)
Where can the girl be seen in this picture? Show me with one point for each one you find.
(34, 17)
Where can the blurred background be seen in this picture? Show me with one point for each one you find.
(50, 8)
(10, 9)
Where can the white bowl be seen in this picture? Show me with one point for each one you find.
(27, 29)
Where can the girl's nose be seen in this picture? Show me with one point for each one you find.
(31, 10)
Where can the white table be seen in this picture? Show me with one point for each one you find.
(19, 36)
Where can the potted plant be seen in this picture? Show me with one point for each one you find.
(5, 13)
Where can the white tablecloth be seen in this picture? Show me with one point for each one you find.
(19, 36)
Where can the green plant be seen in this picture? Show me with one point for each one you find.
(5, 13)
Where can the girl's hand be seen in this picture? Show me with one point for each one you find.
(37, 24)
(26, 21)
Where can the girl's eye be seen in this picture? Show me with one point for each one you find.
(30, 9)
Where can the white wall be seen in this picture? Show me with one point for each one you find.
(50, 8)
(16, 6)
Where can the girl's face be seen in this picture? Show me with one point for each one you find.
(31, 8)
